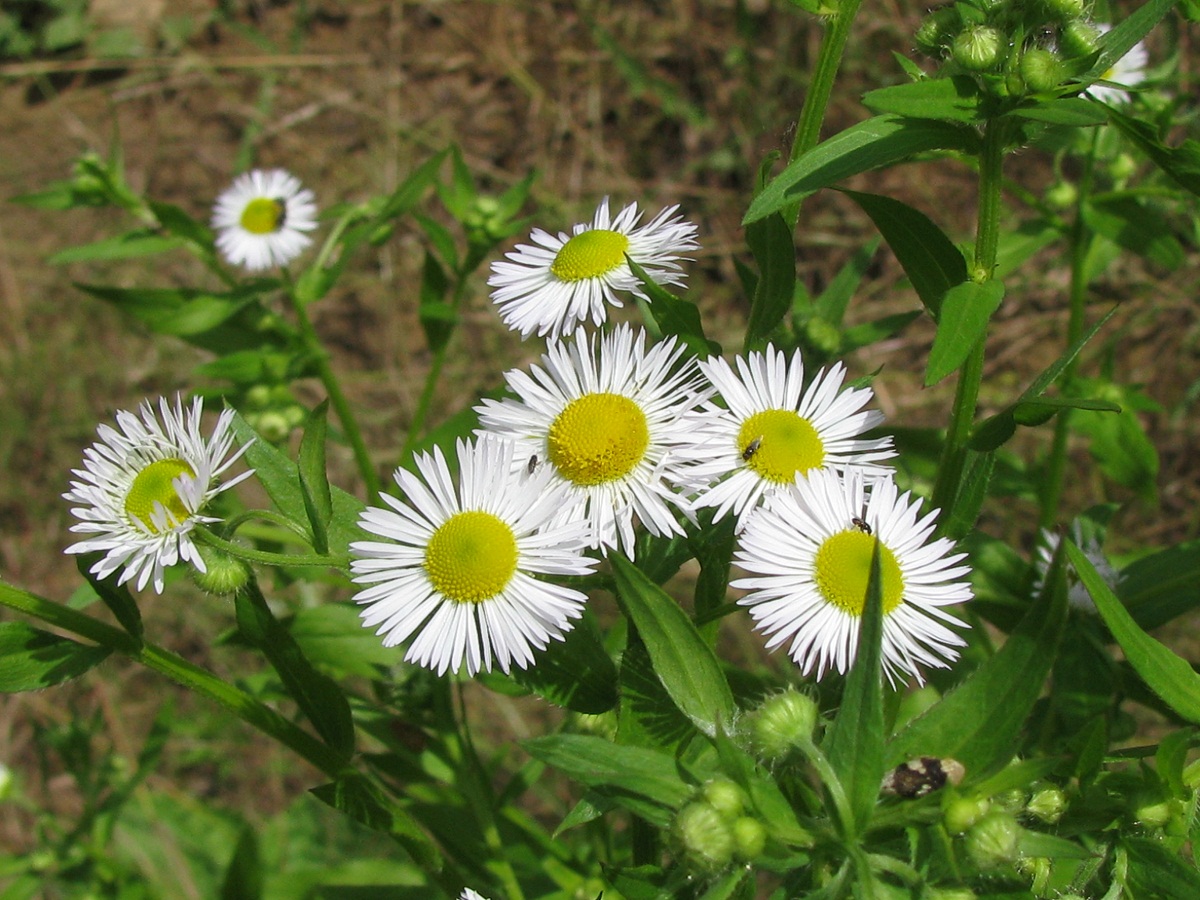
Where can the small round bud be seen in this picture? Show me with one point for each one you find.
(1042, 70)
(6, 782)
(993, 840)
(1064, 10)
(937, 31)
(963, 812)
(602, 725)
(1062, 195)
(223, 574)
(1037, 870)
(259, 396)
(273, 426)
(725, 797)
(948, 894)
(1078, 38)
(1154, 814)
(1123, 167)
(822, 335)
(781, 723)
(1047, 805)
(978, 48)
(295, 414)
(1010, 801)
(704, 835)
(749, 838)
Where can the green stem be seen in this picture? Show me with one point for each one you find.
(271, 559)
(816, 100)
(1080, 242)
(337, 399)
(178, 670)
(987, 242)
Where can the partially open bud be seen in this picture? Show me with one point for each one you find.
(978, 48)
(993, 840)
(936, 32)
(704, 835)
(1047, 804)
(963, 812)
(1078, 39)
(781, 723)
(1042, 70)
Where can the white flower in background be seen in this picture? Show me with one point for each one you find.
(457, 571)
(1129, 70)
(557, 283)
(1077, 595)
(771, 429)
(261, 219)
(605, 421)
(469, 894)
(142, 489)
(809, 555)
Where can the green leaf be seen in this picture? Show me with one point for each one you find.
(366, 804)
(930, 260)
(1170, 759)
(131, 245)
(1137, 227)
(179, 223)
(854, 741)
(770, 240)
(314, 482)
(685, 664)
(576, 673)
(116, 597)
(1159, 587)
(1120, 39)
(1165, 673)
(438, 317)
(36, 659)
(972, 492)
(1074, 112)
(177, 312)
(1035, 843)
(873, 144)
(621, 771)
(1181, 164)
(243, 877)
(317, 695)
(647, 716)
(674, 316)
(880, 329)
(954, 99)
(962, 323)
(409, 192)
(835, 299)
(979, 721)
(1154, 871)
(332, 635)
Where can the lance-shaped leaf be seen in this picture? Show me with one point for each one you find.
(774, 250)
(576, 672)
(34, 659)
(314, 482)
(1167, 674)
(1181, 164)
(873, 144)
(962, 323)
(366, 804)
(115, 596)
(854, 741)
(683, 661)
(954, 99)
(674, 315)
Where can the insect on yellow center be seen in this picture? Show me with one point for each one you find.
(590, 255)
(471, 557)
(154, 485)
(598, 438)
(263, 215)
(786, 444)
(843, 566)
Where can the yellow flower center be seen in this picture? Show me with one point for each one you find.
(154, 485)
(471, 557)
(263, 215)
(598, 438)
(590, 254)
(778, 443)
(843, 567)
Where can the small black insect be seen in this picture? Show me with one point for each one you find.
(280, 212)
(919, 777)
(532, 465)
(752, 448)
(861, 525)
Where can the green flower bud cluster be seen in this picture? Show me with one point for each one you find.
(273, 412)
(781, 724)
(714, 830)
(1011, 47)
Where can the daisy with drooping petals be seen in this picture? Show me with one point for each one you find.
(606, 420)
(261, 219)
(772, 429)
(456, 573)
(557, 283)
(809, 553)
(1129, 70)
(143, 486)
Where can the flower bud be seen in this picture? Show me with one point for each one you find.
(1042, 70)
(1064, 10)
(781, 723)
(1078, 39)
(978, 48)
(1037, 870)
(725, 797)
(1010, 801)
(963, 812)
(1123, 167)
(223, 574)
(1062, 195)
(1154, 814)
(993, 840)
(948, 894)
(273, 426)
(1047, 805)
(704, 835)
(6, 782)
(936, 32)
(749, 838)
(259, 396)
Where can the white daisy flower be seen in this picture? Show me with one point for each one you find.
(1077, 595)
(605, 421)
(1129, 70)
(554, 286)
(771, 429)
(142, 489)
(261, 219)
(809, 553)
(457, 573)
(469, 894)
